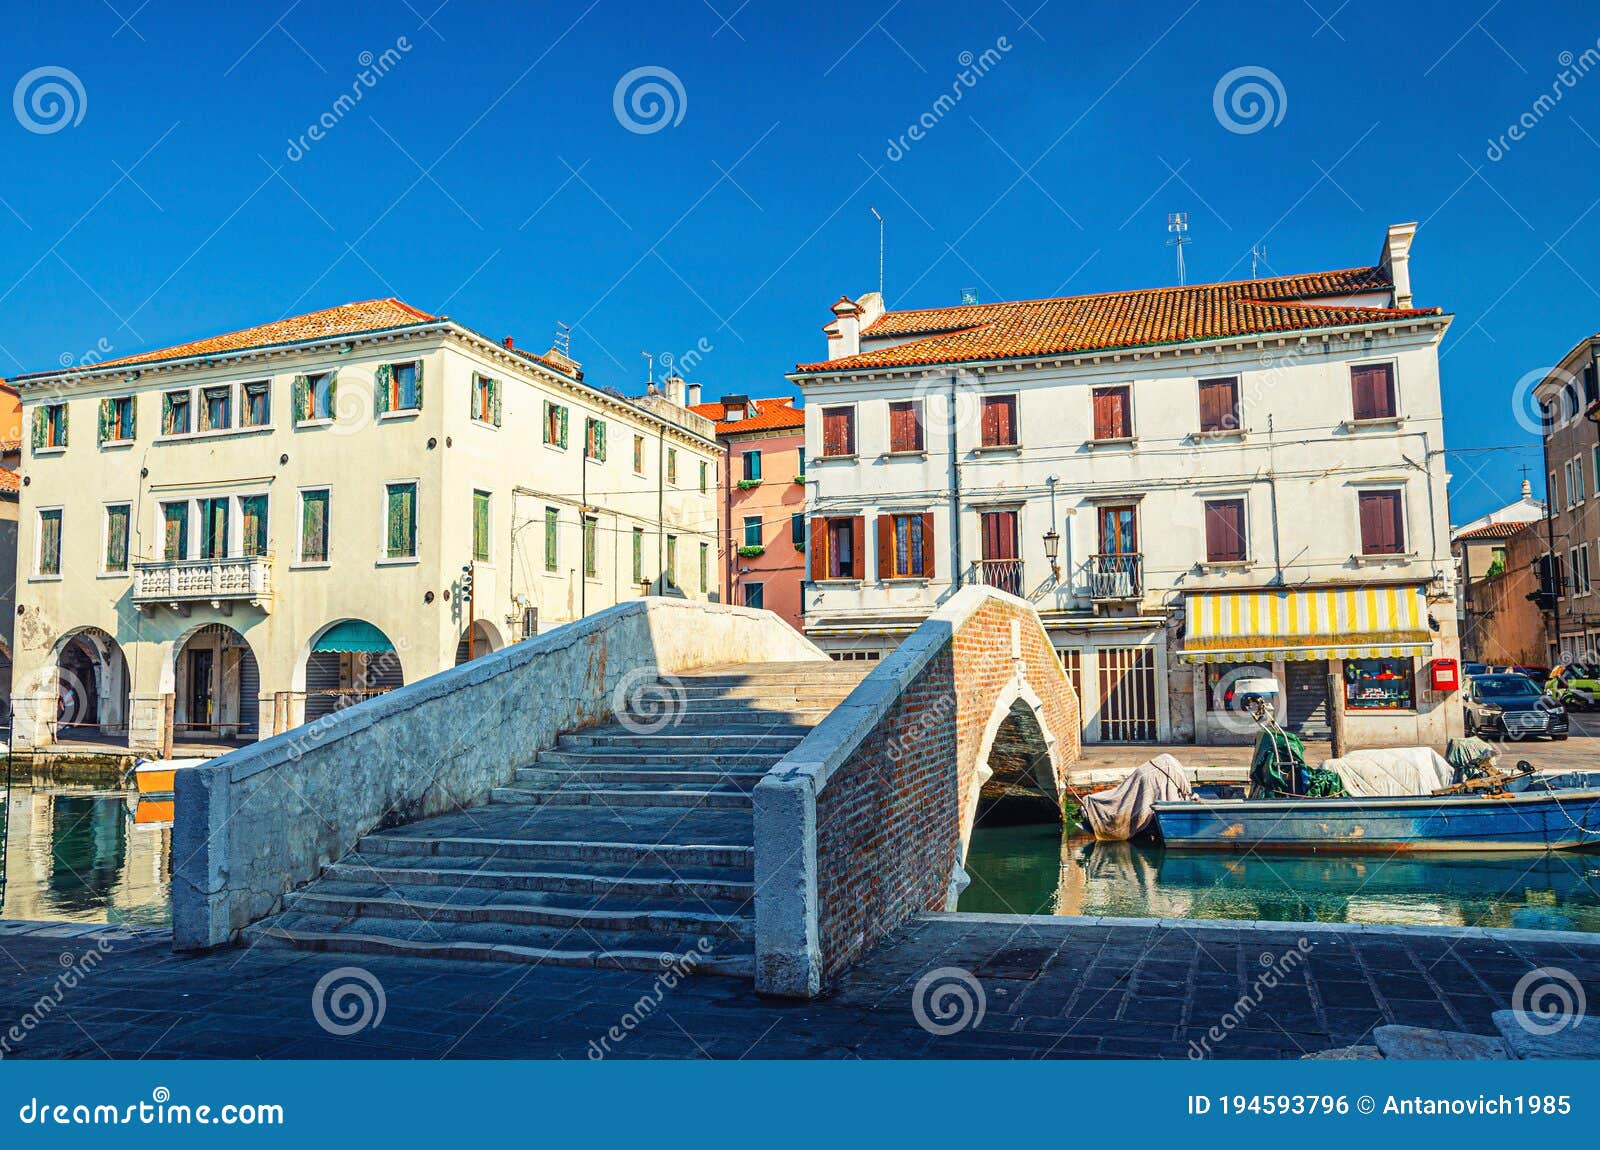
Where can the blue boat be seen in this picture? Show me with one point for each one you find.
(1531, 820)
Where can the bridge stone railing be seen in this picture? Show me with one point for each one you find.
(864, 824)
(254, 824)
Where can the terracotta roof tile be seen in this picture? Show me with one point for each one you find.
(9, 483)
(1140, 318)
(1502, 530)
(776, 414)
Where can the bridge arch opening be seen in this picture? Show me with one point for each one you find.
(1016, 774)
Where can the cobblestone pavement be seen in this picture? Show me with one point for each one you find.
(1058, 988)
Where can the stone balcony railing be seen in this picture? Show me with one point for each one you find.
(180, 583)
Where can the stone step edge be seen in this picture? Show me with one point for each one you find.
(707, 888)
(643, 919)
(418, 847)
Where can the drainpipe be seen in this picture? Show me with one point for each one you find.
(1552, 564)
(661, 510)
(1272, 496)
(955, 493)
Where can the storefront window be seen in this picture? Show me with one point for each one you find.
(1221, 679)
(1378, 684)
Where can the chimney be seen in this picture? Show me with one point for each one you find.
(674, 386)
(844, 333)
(694, 395)
(1396, 260)
(1527, 489)
(508, 344)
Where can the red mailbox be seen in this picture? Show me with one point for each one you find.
(1446, 675)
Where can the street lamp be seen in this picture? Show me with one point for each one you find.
(1052, 550)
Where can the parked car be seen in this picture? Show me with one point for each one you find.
(1511, 705)
(1537, 674)
(1471, 669)
(1577, 685)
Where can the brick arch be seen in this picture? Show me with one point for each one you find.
(1018, 744)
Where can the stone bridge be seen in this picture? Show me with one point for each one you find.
(663, 777)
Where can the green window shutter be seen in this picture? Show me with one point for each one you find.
(545, 431)
(65, 411)
(494, 400)
(600, 441)
(175, 544)
(253, 510)
(381, 383)
(103, 431)
(300, 393)
(314, 527)
(333, 395)
(480, 526)
(402, 533)
(117, 538)
(38, 428)
(419, 385)
(638, 555)
(166, 415)
(133, 417)
(563, 412)
(551, 519)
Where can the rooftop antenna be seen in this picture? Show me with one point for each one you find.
(877, 215)
(564, 339)
(651, 359)
(1178, 225)
(1258, 255)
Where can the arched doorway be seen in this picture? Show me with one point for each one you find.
(485, 638)
(215, 685)
(347, 663)
(84, 692)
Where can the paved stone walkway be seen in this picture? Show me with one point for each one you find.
(1058, 988)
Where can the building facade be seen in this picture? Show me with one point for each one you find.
(1569, 400)
(1191, 484)
(225, 539)
(1505, 622)
(763, 484)
(1481, 551)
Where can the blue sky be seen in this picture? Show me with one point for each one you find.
(487, 174)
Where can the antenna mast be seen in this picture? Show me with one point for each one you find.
(564, 339)
(1178, 225)
(1258, 255)
(877, 215)
(651, 360)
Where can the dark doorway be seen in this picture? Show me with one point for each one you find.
(1307, 705)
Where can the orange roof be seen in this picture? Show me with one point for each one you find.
(1501, 530)
(1143, 317)
(9, 483)
(775, 414)
(347, 319)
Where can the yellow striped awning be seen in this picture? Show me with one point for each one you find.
(1340, 623)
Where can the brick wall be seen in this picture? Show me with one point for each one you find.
(876, 803)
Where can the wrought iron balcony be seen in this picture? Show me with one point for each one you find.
(1002, 574)
(180, 583)
(1116, 578)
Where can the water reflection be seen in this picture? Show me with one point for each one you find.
(1033, 870)
(85, 857)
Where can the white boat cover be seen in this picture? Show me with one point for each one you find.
(1391, 771)
(1128, 809)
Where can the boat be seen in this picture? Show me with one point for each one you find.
(158, 776)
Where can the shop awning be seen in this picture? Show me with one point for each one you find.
(1345, 623)
(354, 635)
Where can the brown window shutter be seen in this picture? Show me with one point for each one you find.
(819, 549)
(927, 545)
(1006, 420)
(990, 422)
(1225, 531)
(858, 536)
(1373, 391)
(1382, 528)
(1219, 401)
(885, 547)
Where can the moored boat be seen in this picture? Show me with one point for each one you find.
(158, 776)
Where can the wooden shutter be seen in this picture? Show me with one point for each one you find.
(38, 428)
(1104, 415)
(1219, 402)
(1225, 531)
(858, 538)
(886, 547)
(838, 432)
(905, 429)
(1382, 530)
(999, 421)
(927, 545)
(103, 431)
(382, 381)
(1372, 387)
(300, 403)
(819, 550)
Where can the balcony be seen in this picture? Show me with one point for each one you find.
(1116, 578)
(1001, 574)
(181, 583)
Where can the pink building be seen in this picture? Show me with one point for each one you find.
(763, 547)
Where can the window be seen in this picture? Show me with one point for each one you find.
(1222, 681)
(1383, 529)
(755, 595)
(49, 562)
(1226, 541)
(638, 554)
(116, 419)
(838, 431)
(314, 525)
(672, 465)
(797, 529)
(50, 426)
(257, 411)
(1219, 405)
(398, 387)
(836, 548)
(999, 420)
(705, 471)
(752, 531)
(670, 575)
(555, 425)
(638, 455)
(216, 408)
(1577, 479)
(594, 440)
(175, 413)
(752, 466)
(591, 547)
(480, 526)
(905, 546)
(800, 466)
(1113, 412)
(400, 526)
(1119, 529)
(486, 406)
(1591, 386)
(213, 528)
(1578, 557)
(552, 523)
(314, 397)
(905, 426)
(705, 567)
(1372, 391)
(253, 524)
(116, 552)
(1378, 684)
(175, 530)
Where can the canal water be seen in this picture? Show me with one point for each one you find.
(1034, 869)
(87, 856)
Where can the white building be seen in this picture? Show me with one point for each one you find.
(224, 539)
(1184, 481)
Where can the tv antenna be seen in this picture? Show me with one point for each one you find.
(1178, 225)
(563, 340)
(651, 360)
(1258, 255)
(877, 215)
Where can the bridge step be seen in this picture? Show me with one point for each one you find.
(674, 854)
(578, 794)
(682, 737)
(595, 878)
(645, 755)
(645, 774)
(718, 713)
